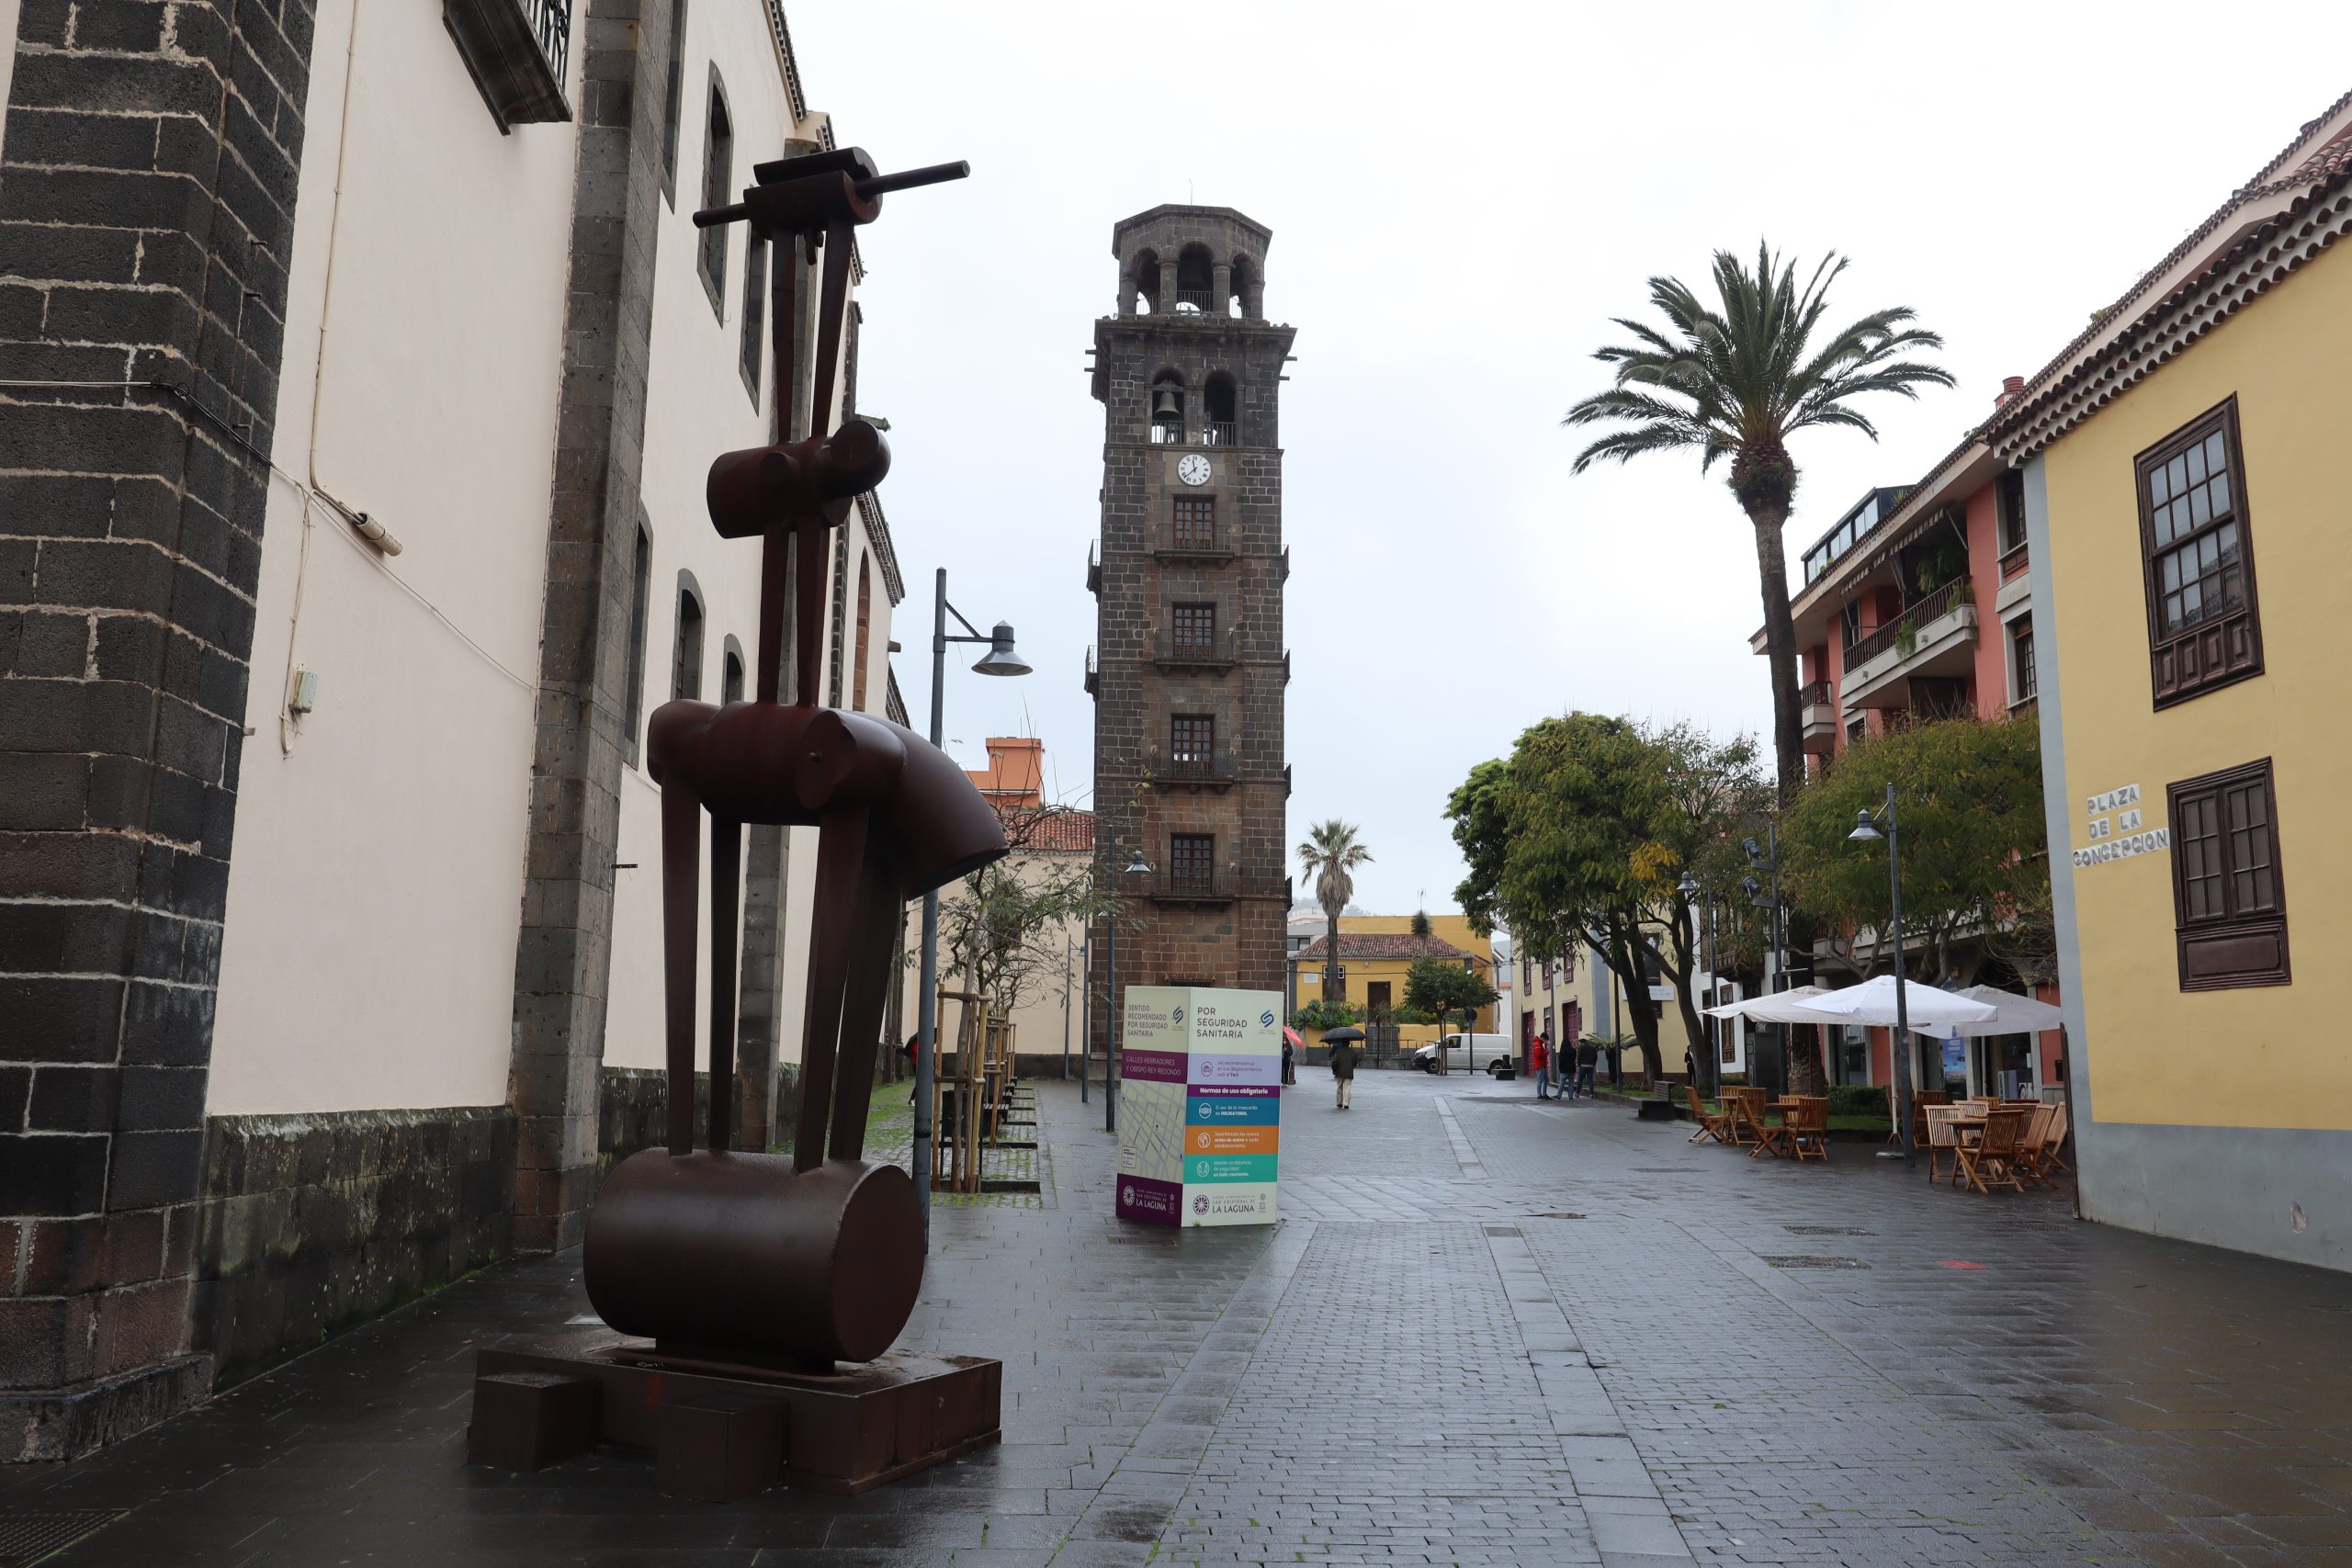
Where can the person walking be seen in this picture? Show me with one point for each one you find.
(1538, 1063)
(1343, 1069)
(1587, 1059)
(1290, 1070)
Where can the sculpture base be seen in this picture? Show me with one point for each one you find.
(722, 1428)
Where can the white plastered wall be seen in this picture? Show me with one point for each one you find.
(373, 909)
(696, 408)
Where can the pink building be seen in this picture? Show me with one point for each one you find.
(1916, 604)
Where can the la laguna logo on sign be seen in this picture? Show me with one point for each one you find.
(1128, 1193)
(1201, 1204)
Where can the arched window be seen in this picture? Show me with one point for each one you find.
(1195, 280)
(685, 662)
(1165, 409)
(730, 671)
(1220, 416)
(1245, 285)
(717, 190)
(1145, 281)
(865, 629)
(640, 612)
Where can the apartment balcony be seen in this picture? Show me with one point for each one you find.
(517, 53)
(1095, 571)
(1213, 550)
(1214, 885)
(1933, 638)
(1195, 771)
(1093, 676)
(1818, 713)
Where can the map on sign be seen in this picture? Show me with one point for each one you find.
(1151, 1131)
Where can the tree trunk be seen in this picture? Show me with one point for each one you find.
(1780, 646)
(1805, 1074)
(1335, 985)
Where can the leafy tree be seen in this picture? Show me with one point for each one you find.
(1004, 926)
(1321, 1013)
(1331, 854)
(1737, 380)
(1585, 836)
(1976, 855)
(1441, 987)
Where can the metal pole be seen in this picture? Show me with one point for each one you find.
(1902, 1053)
(1066, 950)
(927, 1002)
(1111, 1022)
(1085, 1012)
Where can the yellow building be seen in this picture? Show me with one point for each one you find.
(1570, 995)
(2184, 475)
(1378, 950)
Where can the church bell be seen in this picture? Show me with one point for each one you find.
(1166, 404)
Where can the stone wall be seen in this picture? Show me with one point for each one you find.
(146, 217)
(311, 1225)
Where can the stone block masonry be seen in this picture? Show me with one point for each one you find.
(147, 178)
(312, 1223)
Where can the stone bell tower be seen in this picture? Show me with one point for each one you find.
(1189, 670)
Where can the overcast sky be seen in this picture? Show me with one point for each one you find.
(1461, 198)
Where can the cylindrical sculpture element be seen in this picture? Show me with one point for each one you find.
(735, 1252)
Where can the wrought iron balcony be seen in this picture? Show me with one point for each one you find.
(1201, 300)
(1220, 432)
(1218, 650)
(1093, 569)
(1192, 770)
(1093, 676)
(1206, 885)
(517, 52)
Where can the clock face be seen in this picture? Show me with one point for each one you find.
(1193, 469)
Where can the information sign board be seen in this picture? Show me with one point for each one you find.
(1200, 1106)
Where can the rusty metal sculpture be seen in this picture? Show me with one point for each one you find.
(752, 1273)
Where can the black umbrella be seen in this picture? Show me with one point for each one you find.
(1350, 1033)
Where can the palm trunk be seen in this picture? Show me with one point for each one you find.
(1780, 646)
(1335, 985)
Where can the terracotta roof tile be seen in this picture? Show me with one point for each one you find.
(1051, 831)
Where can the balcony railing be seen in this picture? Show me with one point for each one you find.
(1219, 433)
(1093, 676)
(1200, 300)
(1165, 435)
(1916, 615)
(2015, 561)
(1210, 770)
(1816, 693)
(1209, 884)
(517, 52)
(1220, 648)
(1093, 568)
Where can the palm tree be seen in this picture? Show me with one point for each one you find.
(1328, 852)
(1737, 381)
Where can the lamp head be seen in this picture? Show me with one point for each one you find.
(1754, 849)
(1136, 867)
(1688, 887)
(1865, 830)
(1000, 659)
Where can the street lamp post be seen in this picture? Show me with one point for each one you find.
(1868, 827)
(999, 659)
(1085, 1012)
(1111, 1024)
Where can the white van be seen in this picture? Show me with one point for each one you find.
(1491, 1052)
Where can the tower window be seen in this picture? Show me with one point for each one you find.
(1195, 631)
(1192, 740)
(1195, 522)
(1192, 861)
(1219, 425)
(1167, 410)
(1195, 285)
(730, 673)
(717, 180)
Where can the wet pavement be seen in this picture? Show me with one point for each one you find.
(1490, 1331)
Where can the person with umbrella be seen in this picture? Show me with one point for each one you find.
(1342, 1043)
(1290, 1064)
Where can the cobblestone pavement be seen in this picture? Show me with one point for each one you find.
(1487, 1331)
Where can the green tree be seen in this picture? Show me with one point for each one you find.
(1736, 380)
(1331, 854)
(1585, 834)
(1004, 927)
(1975, 854)
(1441, 987)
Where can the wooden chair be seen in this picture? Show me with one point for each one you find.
(1943, 1138)
(1715, 1124)
(1992, 1160)
(2053, 1144)
(2035, 1143)
(1807, 1128)
(1771, 1137)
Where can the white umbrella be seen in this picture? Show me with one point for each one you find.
(2012, 1014)
(1929, 1009)
(1775, 1007)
